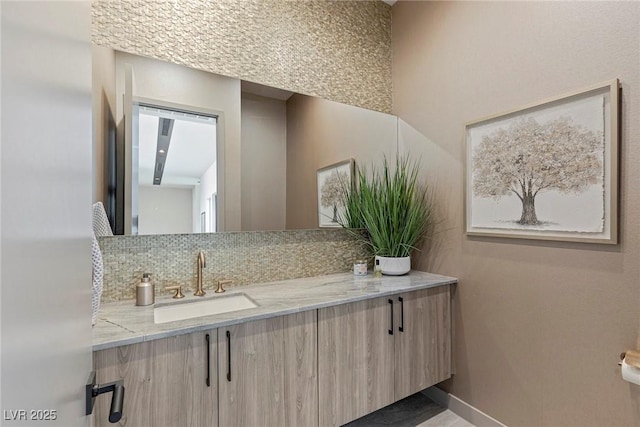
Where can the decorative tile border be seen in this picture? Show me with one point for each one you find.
(337, 50)
(244, 257)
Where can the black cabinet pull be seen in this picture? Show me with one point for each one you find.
(208, 380)
(401, 327)
(391, 329)
(228, 356)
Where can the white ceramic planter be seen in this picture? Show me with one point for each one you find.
(392, 266)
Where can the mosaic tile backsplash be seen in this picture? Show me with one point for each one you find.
(244, 257)
(337, 50)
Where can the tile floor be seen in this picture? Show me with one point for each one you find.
(414, 411)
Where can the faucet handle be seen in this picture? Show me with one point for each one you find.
(220, 289)
(178, 289)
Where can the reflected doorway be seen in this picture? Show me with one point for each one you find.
(174, 170)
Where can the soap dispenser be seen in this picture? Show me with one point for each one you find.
(145, 292)
(377, 270)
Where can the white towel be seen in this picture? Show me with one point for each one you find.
(101, 227)
(98, 273)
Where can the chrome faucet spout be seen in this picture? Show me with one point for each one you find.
(201, 263)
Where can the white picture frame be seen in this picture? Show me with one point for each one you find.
(546, 171)
(330, 182)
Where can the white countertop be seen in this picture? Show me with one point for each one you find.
(122, 323)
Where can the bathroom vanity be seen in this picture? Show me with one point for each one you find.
(315, 351)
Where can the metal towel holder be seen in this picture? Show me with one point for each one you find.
(93, 390)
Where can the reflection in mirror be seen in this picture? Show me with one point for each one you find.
(176, 174)
(269, 144)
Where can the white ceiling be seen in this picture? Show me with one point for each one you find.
(191, 152)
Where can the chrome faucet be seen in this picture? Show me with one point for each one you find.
(202, 263)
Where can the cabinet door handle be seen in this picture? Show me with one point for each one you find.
(208, 380)
(391, 329)
(228, 356)
(401, 327)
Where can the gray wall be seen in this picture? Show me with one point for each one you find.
(165, 210)
(264, 163)
(539, 326)
(320, 133)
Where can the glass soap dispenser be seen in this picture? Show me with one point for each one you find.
(145, 292)
(377, 270)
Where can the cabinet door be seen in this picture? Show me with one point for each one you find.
(268, 372)
(423, 340)
(355, 360)
(165, 381)
(301, 369)
(251, 373)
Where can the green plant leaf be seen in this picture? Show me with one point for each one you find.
(391, 205)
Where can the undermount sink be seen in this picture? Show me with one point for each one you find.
(182, 310)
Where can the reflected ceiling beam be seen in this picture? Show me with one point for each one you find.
(165, 129)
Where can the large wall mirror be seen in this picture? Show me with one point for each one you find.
(199, 152)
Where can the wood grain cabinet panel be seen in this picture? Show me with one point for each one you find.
(165, 382)
(355, 360)
(422, 340)
(362, 367)
(268, 372)
(301, 369)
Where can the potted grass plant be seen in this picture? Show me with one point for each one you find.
(389, 211)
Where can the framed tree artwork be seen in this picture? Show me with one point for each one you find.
(332, 180)
(546, 171)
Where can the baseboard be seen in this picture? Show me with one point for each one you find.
(461, 408)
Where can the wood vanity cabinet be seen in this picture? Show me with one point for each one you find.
(165, 381)
(320, 367)
(375, 352)
(422, 340)
(355, 360)
(268, 372)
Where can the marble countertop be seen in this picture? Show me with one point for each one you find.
(121, 323)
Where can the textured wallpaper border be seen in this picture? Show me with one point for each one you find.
(244, 257)
(337, 50)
